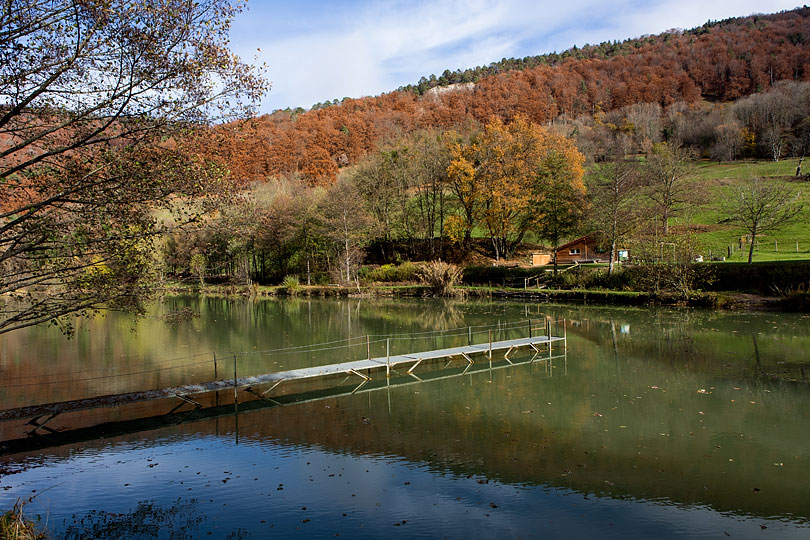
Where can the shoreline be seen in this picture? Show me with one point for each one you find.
(725, 300)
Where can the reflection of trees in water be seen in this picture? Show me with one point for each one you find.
(728, 343)
(438, 315)
(180, 521)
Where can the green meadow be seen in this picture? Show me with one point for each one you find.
(715, 235)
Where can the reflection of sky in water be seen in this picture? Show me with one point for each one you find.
(236, 487)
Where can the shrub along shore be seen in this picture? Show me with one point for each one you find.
(767, 285)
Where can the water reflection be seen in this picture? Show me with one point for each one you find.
(664, 423)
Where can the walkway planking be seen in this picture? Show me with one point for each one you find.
(346, 368)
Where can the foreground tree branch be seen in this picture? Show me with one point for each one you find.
(102, 103)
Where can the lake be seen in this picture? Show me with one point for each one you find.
(650, 423)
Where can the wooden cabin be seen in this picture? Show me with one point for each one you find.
(583, 250)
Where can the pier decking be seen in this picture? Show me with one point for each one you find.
(361, 368)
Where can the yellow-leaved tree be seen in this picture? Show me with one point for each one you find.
(506, 176)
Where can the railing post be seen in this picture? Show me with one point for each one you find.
(235, 401)
(490, 344)
(469, 335)
(530, 328)
(565, 337)
(368, 346)
(216, 378)
(387, 357)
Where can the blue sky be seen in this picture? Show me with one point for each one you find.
(321, 50)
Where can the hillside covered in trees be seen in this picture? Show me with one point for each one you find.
(523, 154)
(717, 62)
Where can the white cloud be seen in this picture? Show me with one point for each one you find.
(365, 47)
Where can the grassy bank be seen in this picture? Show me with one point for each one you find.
(710, 299)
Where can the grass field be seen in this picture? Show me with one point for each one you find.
(713, 181)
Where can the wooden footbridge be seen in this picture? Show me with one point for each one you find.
(366, 369)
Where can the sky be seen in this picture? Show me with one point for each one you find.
(318, 50)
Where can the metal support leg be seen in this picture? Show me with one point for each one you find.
(262, 396)
(361, 385)
(272, 387)
(413, 367)
(355, 372)
(41, 425)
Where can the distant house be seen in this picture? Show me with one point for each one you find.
(584, 249)
(581, 250)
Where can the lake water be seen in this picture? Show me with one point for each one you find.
(655, 423)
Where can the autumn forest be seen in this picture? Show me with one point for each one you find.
(486, 159)
(116, 179)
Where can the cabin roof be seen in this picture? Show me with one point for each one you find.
(580, 240)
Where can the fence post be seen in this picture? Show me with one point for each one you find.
(387, 357)
(530, 328)
(469, 335)
(368, 346)
(490, 344)
(215, 367)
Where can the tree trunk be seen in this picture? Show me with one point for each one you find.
(751, 249)
(441, 223)
(348, 273)
(612, 256)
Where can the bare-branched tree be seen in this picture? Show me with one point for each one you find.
(668, 187)
(98, 101)
(615, 202)
(760, 206)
